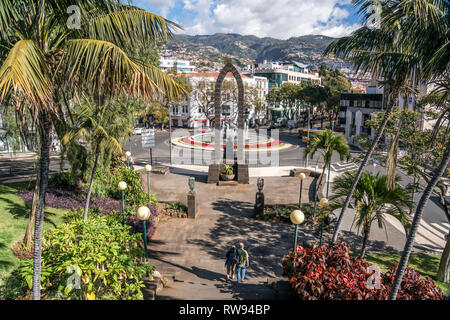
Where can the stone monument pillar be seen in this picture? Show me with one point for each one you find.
(259, 202)
(191, 202)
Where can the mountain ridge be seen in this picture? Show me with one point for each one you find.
(247, 49)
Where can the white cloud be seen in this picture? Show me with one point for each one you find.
(280, 19)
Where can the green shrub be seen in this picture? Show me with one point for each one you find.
(102, 252)
(62, 179)
(228, 170)
(177, 206)
(134, 193)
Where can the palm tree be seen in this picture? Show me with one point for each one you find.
(372, 201)
(386, 53)
(100, 127)
(442, 90)
(411, 44)
(44, 59)
(328, 143)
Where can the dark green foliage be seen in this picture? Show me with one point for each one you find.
(104, 254)
(178, 206)
(134, 193)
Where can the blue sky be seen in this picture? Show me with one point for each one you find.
(279, 19)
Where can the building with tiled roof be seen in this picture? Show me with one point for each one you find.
(197, 110)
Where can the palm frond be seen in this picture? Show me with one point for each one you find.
(24, 71)
(105, 67)
(136, 24)
(171, 89)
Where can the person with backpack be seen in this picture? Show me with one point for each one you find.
(230, 262)
(242, 264)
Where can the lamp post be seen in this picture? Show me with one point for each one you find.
(143, 214)
(148, 169)
(301, 177)
(128, 154)
(323, 203)
(297, 218)
(122, 186)
(329, 174)
(307, 135)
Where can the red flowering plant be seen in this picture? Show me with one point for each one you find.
(413, 287)
(328, 272)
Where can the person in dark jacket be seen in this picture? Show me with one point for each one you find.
(230, 262)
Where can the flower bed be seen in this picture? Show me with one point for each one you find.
(136, 224)
(282, 212)
(328, 272)
(62, 198)
(172, 210)
(189, 141)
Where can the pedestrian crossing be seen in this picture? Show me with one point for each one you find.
(341, 167)
(429, 235)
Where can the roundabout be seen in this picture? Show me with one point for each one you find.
(253, 142)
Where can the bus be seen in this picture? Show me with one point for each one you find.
(303, 133)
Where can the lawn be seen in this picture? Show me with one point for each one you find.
(425, 264)
(14, 215)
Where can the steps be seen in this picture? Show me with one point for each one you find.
(156, 284)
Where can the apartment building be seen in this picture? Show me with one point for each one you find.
(357, 107)
(183, 66)
(198, 110)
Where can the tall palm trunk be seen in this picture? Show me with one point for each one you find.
(320, 181)
(416, 222)
(443, 273)
(366, 232)
(391, 162)
(28, 239)
(360, 170)
(45, 137)
(88, 198)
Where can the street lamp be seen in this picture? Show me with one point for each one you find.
(148, 169)
(122, 186)
(307, 135)
(301, 177)
(323, 203)
(143, 214)
(128, 154)
(297, 218)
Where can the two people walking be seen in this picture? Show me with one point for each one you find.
(237, 261)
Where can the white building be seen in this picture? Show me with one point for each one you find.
(279, 73)
(183, 66)
(198, 110)
(356, 108)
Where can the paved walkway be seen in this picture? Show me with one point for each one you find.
(194, 250)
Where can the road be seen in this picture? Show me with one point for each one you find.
(161, 153)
